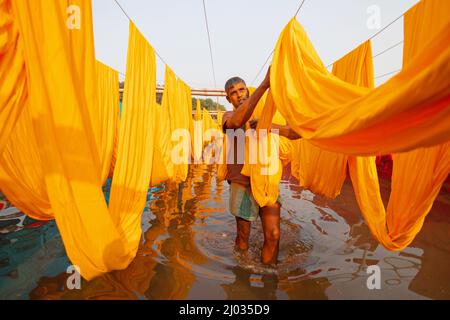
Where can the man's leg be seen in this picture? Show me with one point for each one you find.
(270, 218)
(243, 233)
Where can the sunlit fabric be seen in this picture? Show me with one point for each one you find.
(183, 118)
(21, 175)
(208, 124)
(108, 114)
(264, 165)
(409, 111)
(62, 83)
(177, 100)
(219, 120)
(67, 148)
(323, 171)
(417, 175)
(160, 165)
(136, 140)
(198, 110)
(13, 88)
(198, 134)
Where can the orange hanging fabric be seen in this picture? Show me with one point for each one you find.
(417, 175)
(182, 126)
(61, 80)
(265, 155)
(322, 171)
(198, 134)
(133, 168)
(161, 142)
(411, 110)
(21, 176)
(13, 88)
(108, 113)
(61, 121)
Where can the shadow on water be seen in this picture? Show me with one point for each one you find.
(187, 251)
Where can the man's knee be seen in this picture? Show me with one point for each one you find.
(272, 235)
(273, 207)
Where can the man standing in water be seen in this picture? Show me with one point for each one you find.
(242, 203)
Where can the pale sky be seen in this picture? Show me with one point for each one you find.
(243, 33)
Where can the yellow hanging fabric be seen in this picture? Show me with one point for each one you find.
(21, 176)
(56, 76)
(108, 113)
(176, 98)
(136, 140)
(206, 126)
(322, 171)
(161, 143)
(219, 121)
(264, 164)
(409, 111)
(168, 108)
(13, 88)
(198, 111)
(198, 133)
(183, 117)
(190, 120)
(61, 75)
(417, 175)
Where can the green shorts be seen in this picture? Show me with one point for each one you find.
(242, 202)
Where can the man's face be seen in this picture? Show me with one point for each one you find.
(237, 94)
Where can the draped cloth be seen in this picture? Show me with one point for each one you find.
(178, 102)
(62, 126)
(13, 88)
(417, 175)
(133, 168)
(108, 113)
(21, 176)
(265, 153)
(160, 166)
(197, 137)
(323, 171)
(312, 110)
(208, 124)
(409, 111)
(62, 110)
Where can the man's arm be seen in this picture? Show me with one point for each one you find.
(286, 131)
(243, 113)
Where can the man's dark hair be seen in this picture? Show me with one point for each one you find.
(231, 82)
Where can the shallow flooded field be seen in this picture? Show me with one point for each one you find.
(187, 251)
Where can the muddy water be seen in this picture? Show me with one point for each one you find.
(187, 251)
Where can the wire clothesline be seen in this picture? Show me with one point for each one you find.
(129, 18)
(161, 58)
(210, 47)
(270, 54)
(371, 37)
(387, 74)
(210, 51)
(388, 49)
(126, 14)
(380, 31)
